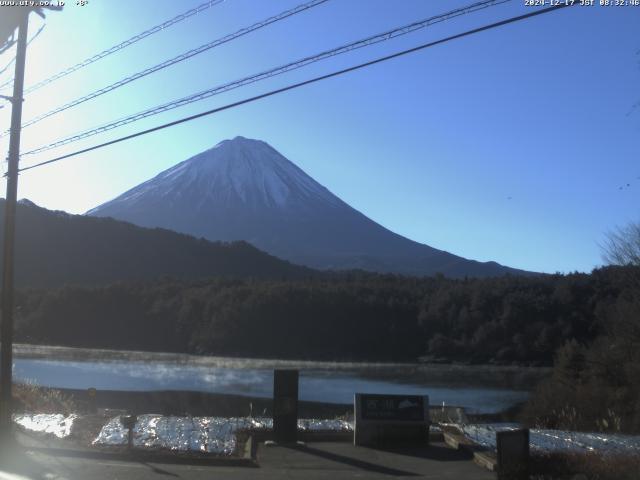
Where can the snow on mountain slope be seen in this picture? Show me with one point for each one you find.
(243, 189)
(248, 171)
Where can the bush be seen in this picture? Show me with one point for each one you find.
(594, 466)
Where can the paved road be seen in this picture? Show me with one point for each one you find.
(37, 460)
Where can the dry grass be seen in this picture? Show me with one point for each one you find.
(594, 466)
(34, 399)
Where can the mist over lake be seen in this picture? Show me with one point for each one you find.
(479, 389)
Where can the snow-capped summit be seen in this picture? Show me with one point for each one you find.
(242, 171)
(243, 189)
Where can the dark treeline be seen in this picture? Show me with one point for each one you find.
(349, 316)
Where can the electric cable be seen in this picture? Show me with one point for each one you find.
(126, 43)
(381, 37)
(306, 82)
(172, 61)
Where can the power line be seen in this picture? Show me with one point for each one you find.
(167, 63)
(6, 67)
(381, 37)
(136, 38)
(304, 83)
(7, 45)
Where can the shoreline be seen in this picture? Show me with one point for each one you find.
(198, 404)
(484, 375)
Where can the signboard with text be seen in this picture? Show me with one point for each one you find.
(387, 419)
(392, 407)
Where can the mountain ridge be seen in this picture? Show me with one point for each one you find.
(54, 248)
(244, 189)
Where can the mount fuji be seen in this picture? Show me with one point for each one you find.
(243, 189)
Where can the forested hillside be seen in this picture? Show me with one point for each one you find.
(56, 248)
(350, 316)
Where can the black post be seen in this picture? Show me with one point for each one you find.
(6, 329)
(129, 422)
(285, 406)
(512, 448)
(91, 401)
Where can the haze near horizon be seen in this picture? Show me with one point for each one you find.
(478, 147)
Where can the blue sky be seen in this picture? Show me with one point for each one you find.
(509, 145)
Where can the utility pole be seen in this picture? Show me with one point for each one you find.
(6, 328)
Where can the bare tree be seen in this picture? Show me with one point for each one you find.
(622, 246)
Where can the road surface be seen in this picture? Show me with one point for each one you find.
(41, 459)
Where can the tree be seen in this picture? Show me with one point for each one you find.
(622, 246)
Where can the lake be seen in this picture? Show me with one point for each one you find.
(479, 389)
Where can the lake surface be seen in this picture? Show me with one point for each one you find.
(331, 385)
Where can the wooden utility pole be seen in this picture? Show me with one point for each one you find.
(6, 328)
